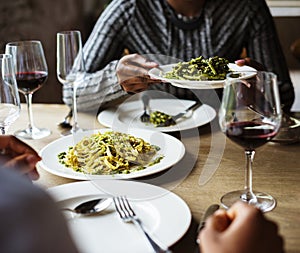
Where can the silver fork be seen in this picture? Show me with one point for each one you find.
(127, 214)
(145, 117)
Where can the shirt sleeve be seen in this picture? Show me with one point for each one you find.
(95, 89)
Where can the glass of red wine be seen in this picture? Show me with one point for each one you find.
(31, 73)
(250, 115)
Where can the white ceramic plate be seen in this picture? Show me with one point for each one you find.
(129, 114)
(165, 216)
(172, 149)
(206, 84)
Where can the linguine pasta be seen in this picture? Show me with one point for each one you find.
(110, 153)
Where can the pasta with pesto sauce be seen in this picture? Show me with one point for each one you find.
(199, 69)
(110, 153)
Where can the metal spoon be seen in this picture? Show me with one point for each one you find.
(66, 123)
(91, 207)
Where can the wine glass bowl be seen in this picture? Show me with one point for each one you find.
(31, 73)
(9, 96)
(250, 116)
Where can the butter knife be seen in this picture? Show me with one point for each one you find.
(172, 120)
(191, 108)
(208, 212)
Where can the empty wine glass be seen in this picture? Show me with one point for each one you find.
(9, 96)
(31, 73)
(70, 65)
(250, 115)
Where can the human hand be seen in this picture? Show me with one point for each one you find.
(132, 72)
(241, 229)
(249, 62)
(19, 156)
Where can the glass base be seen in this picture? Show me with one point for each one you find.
(263, 201)
(33, 133)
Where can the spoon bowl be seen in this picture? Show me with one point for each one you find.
(91, 207)
(66, 123)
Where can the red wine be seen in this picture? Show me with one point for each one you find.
(29, 82)
(250, 135)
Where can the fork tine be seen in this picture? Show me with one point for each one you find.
(123, 208)
(118, 207)
(127, 206)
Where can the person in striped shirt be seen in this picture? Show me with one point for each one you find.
(159, 31)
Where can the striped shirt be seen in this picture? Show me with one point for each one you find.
(153, 29)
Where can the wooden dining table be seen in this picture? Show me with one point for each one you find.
(211, 167)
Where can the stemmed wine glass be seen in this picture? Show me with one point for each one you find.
(9, 96)
(70, 66)
(250, 115)
(31, 73)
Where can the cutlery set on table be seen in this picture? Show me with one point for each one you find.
(125, 211)
(98, 212)
(127, 214)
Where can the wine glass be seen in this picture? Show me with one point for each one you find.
(31, 73)
(9, 96)
(250, 115)
(70, 66)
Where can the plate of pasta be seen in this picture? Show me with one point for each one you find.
(108, 154)
(171, 73)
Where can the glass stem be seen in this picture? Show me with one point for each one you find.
(75, 126)
(28, 98)
(248, 195)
